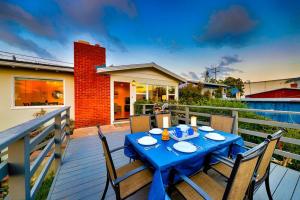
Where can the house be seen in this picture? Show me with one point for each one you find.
(97, 94)
(277, 93)
(211, 87)
(268, 85)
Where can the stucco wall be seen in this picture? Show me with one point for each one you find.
(144, 76)
(10, 115)
(257, 87)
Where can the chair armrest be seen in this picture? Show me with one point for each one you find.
(117, 149)
(223, 159)
(128, 174)
(198, 189)
(245, 147)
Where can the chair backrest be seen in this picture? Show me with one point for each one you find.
(109, 162)
(159, 119)
(140, 123)
(267, 156)
(222, 123)
(243, 171)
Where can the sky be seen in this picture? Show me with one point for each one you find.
(251, 39)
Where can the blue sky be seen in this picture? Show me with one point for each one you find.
(254, 40)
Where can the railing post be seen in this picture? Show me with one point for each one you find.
(68, 124)
(235, 114)
(187, 115)
(57, 141)
(19, 169)
(144, 109)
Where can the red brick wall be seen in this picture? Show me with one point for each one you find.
(92, 90)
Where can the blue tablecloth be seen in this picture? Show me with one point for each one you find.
(163, 160)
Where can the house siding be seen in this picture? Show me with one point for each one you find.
(92, 90)
(11, 116)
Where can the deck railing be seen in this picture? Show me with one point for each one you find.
(18, 143)
(184, 115)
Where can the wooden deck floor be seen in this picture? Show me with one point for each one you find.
(82, 175)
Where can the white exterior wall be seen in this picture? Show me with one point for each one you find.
(9, 114)
(144, 76)
(263, 86)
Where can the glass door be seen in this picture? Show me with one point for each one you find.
(121, 100)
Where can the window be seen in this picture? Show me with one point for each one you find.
(171, 92)
(157, 93)
(141, 92)
(38, 92)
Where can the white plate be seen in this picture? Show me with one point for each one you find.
(185, 147)
(206, 128)
(147, 140)
(215, 136)
(183, 127)
(156, 131)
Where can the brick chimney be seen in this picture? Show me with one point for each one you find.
(92, 90)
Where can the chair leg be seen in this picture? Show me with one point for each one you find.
(105, 189)
(267, 183)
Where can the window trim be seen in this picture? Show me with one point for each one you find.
(14, 107)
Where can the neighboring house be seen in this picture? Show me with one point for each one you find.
(278, 93)
(211, 87)
(264, 86)
(96, 94)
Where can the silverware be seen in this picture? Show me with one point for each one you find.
(171, 150)
(152, 147)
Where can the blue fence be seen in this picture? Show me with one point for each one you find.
(286, 106)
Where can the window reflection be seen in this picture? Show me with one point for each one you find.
(38, 92)
(157, 93)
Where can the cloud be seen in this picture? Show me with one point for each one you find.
(191, 76)
(229, 60)
(77, 17)
(224, 67)
(25, 44)
(171, 45)
(91, 16)
(12, 13)
(230, 27)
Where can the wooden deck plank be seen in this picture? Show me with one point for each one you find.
(83, 173)
(296, 193)
(287, 185)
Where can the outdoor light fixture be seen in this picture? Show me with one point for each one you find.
(133, 83)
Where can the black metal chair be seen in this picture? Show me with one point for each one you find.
(263, 172)
(127, 179)
(202, 186)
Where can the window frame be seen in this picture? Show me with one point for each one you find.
(14, 107)
(138, 93)
(166, 86)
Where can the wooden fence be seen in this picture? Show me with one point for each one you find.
(185, 114)
(18, 144)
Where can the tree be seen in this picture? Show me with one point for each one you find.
(191, 93)
(234, 83)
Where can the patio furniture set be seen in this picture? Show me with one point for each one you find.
(177, 159)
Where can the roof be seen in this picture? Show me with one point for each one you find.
(281, 79)
(274, 91)
(35, 65)
(112, 68)
(207, 83)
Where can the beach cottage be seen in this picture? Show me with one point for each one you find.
(97, 94)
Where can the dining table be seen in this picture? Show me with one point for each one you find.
(162, 157)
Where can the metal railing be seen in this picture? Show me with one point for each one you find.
(185, 113)
(20, 143)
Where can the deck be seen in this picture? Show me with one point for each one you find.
(83, 173)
